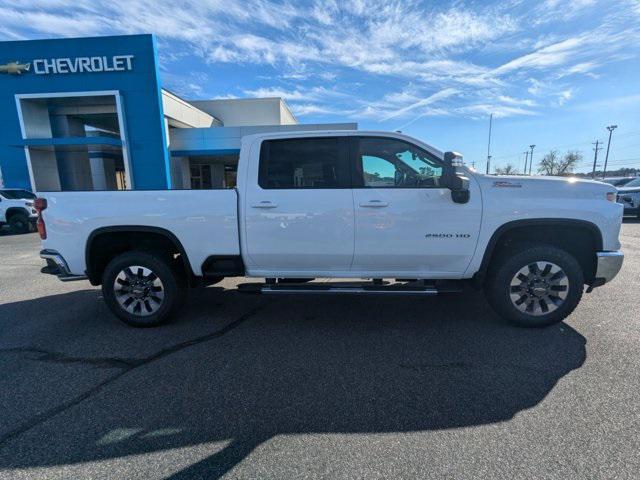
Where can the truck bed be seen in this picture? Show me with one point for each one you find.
(204, 221)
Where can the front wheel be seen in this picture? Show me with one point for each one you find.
(539, 286)
(142, 289)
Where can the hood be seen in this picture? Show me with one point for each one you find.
(571, 186)
(623, 190)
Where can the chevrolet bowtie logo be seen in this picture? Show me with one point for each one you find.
(15, 68)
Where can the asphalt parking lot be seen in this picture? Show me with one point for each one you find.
(310, 387)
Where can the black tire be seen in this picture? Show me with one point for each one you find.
(143, 310)
(507, 268)
(19, 223)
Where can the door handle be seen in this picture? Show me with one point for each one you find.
(264, 204)
(374, 204)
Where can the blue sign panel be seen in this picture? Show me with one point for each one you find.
(125, 64)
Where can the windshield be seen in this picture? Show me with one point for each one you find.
(17, 194)
(633, 183)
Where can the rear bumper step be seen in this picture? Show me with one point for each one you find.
(350, 288)
(56, 265)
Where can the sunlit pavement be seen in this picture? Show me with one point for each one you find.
(314, 387)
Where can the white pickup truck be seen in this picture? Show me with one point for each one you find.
(16, 209)
(382, 207)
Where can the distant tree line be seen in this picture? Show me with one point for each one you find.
(555, 164)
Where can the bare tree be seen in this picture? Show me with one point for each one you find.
(508, 169)
(570, 160)
(552, 164)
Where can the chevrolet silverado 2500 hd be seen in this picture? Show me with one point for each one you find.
(386, 208)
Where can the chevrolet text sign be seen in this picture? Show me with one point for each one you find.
(117, 63)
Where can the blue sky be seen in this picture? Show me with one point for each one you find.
(554, 73)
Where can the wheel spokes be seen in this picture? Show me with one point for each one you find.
(539, 288)
(140, 293)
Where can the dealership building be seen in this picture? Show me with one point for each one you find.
(91, 114)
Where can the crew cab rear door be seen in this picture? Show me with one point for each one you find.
(406, 222)
(298, 208)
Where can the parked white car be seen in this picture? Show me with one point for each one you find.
(384, 207)
(629, 197)
(16, 209)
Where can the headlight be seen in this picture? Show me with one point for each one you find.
(29, 204)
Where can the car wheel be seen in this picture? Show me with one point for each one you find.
(142, 289)
(19, 223)
(539, 286)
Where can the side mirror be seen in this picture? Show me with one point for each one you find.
(457, 183)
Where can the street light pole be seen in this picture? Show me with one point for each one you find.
(531, 158)
(526, 160)
(611, 128)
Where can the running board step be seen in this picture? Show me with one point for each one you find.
(347, 288)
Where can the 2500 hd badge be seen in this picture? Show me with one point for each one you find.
(448, 235)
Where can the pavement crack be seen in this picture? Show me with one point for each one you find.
(57, 357)
(423, 367)
(124, 369)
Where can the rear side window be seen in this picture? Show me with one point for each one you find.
(300, 163)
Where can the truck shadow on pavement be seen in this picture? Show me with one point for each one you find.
(295, 365)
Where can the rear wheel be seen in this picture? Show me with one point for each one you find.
(539, 286)
(142, 289)
(19, 223)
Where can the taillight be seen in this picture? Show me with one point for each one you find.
(611, 196)
(40, 204)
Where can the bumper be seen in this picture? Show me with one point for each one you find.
(608, 266)
(57, 266)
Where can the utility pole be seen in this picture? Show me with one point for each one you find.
(489, 145)
(595, 158)
(531, 158)
(611, 128)
(526, 159)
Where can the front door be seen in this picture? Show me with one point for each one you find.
(299, 218)
(406, 222)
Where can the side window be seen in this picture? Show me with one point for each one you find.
(304, 163)
(390, 163)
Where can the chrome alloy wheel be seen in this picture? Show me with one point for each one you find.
(539, 288)
(138, 290)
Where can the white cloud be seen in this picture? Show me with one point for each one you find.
(483, 110)
(302, 109)
(583, 68)
(516, 101)
(401, 51)
(564, 96)
(442, 94)
(554, 10)
(580, 50)
(298, 94)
